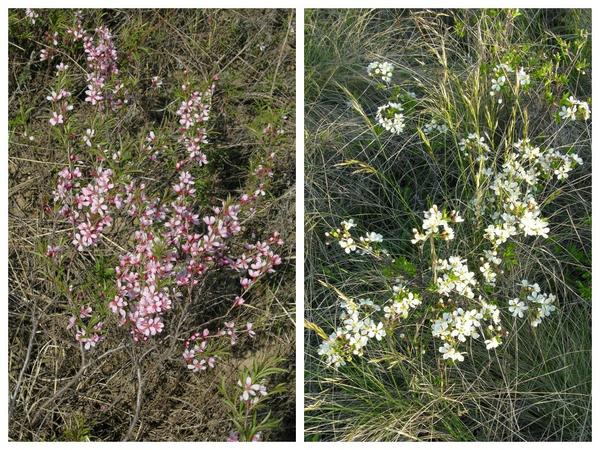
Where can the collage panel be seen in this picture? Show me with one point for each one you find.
(151, 267)
(447, 225)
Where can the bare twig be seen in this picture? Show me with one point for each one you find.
(72, 381)
(13, 397)
(138, 404)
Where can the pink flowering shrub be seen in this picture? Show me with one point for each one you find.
(172, 245)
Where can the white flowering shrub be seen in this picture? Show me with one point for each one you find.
(509, 207)
(472, 168)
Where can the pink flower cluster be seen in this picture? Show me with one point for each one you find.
(87, 208)
(85, 333)
(260, 260)
(101, 56)
(48, 53)
(193, 114)
(188, 246)
(200, 355)
(149, 146)
(140, 299)
(77, 32)
(60, 106)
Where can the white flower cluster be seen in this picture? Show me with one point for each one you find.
(515, 185)
(456, 277)
(454, 328)
(390, 117)
(539, 304)
(361, 321)
(353, 336)
(489, 267)
(332, 349)
(436, 223)
(349, 244)
(383, 70)
(473, 143)
(435, 127)
(575, 109)
(403, 301)
(502, 73)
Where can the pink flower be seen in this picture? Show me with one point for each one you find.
(52, 251)
(233, 437)
(56, 119)
(31, 14)
(189, 354)
(150, 327)
(85, 311)
(251, 389)
(62, 67)
(197, 366)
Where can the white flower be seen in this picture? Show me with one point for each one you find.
(89, 134)
(502, 67)
(492, 343)
(489, 274)
(434, 127)
(497, 84)
(373, 237)
(433, 221)
(517, 307)
(458, 278)
(574, 109)
(348, 245)
(568, 113)
(532, 225)
(329, 349)
(492, 257)
(584, 110)
(376, 331)
(522, 77)
(419, 237)
(402, 301)
(450, 352)
(348, 224)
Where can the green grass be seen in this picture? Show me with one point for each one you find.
(537, 385)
